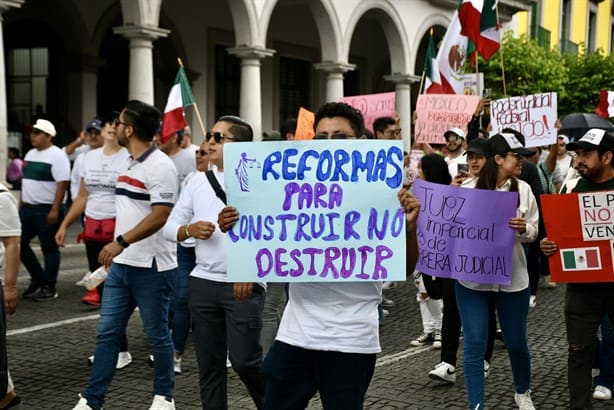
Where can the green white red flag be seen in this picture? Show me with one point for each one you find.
(605, 107)
(179, 97)
(479, 23)
(576, 259)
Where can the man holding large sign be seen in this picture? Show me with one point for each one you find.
(329, 333)
(574, 254)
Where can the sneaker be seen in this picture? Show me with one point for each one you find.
(15, 402)
(82, 404)
(437, 339)
(90, 361)
(161, 403)
(486, 369)
(150, 361)
(385, 313)
(32, 290)
(524, 401)
(387, 302)
(423, 339)
(602, 393)
(548, 283)
(45, 293)
(123, 360)
(444, 372)
(91, 298)
(228, 362)
(532, 301)
(177, 365)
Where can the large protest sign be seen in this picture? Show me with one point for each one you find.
(464, 233)
(373, 106)
(315, 211)
(585, 241)
(532, 115)
(437, 113)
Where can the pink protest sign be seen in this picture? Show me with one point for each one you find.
(372, 106)
(437, 113)
(464, 233)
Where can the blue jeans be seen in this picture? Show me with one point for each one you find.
(293, 375)
(34, 223)
(180, 322)
(606, 355)
(512, 308)
(127, 287)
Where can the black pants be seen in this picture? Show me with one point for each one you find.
(451, 325)
(219, 322)
(585, 306)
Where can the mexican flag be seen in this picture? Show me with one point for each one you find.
(431, 74)
(580, 259)
(479, 22)
(605, 107)
(179, 97)
(449, 63)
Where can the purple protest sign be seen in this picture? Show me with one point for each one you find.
(464, 233)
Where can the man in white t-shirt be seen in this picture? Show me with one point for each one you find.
(140, 261)
(455, 138)
(328, 338)
(93, 139)
(46, 172)
(184, 160)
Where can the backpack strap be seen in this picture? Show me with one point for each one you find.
(216, 186)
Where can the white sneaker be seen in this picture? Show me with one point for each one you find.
(444, 372)
(486, 369)
(437, 339)
(602, 393)
(228, 362)
(177, 365)
(524, 401)
(160, 403)
(82, 404)
(532, 301)
(123, 360)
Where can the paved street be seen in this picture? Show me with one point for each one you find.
(49, 343)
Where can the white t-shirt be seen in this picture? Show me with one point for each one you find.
(9, 218)
(76, 174)
(340, 317)
(100, 173)
(561, 169)
(42, 170)
(453, 163)
(185, 162)
(149, 180)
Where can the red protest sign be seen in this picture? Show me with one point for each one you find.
(582, 226)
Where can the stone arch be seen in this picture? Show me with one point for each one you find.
(327, 23)
(245, 20)
(392, 25)
(435, 20)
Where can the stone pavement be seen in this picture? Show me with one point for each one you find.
(49, 343)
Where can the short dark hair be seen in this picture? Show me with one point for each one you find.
(240, 129)
(144, 118)
(339, 109)
(288, 126)
(368, 134)
(15, 152)
(381, 123)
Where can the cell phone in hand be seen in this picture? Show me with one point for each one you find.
(487, 92)
(462, 168)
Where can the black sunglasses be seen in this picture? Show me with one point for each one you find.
(217, 136)
(201, 152)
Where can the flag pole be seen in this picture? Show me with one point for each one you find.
(200, 120)
(424, 71)
(501, 49)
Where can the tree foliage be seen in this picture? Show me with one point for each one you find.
(531, 68)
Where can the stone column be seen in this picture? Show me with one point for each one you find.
(402, 89)
(250, 103)
(334, 78)
(141, 84)
(4, 6)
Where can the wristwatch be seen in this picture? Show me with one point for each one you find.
(120, 239)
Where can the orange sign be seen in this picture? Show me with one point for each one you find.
(304, 125)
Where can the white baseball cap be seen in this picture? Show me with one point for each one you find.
(45, 126)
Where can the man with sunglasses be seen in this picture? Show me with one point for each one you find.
(455, 137)
(46, 172)
(225, 316)
(328, 338)
(386, 128)
(140, 261)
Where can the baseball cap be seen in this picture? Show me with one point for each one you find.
(595, 138)
(502, 143)
(94, 124)
(456, 131)
(477, 146)
(45, 126)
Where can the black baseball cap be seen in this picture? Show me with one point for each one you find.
(504, 142)
(477, 146)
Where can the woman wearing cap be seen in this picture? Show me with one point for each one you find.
(504, 154)
(96, 198)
